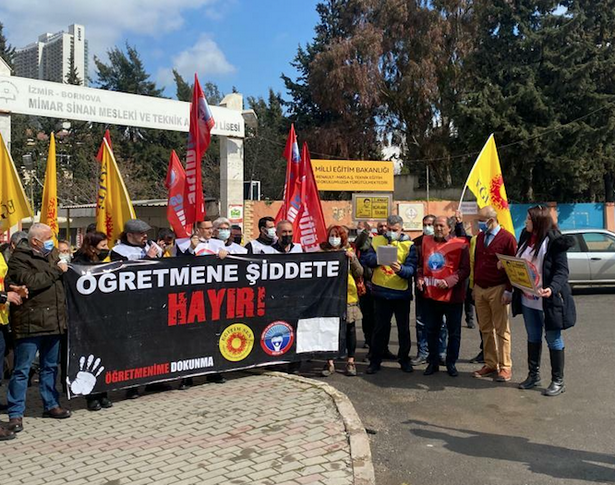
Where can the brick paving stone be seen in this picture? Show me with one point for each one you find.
(256, 429)
(310, 479)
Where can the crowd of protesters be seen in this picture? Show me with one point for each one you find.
(445, 270)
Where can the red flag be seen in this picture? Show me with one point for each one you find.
(107, 137)
(175, 184)
(305, 209)
(201, 123)
(293, 165)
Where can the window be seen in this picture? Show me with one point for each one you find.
(598, 242)
(577, 248)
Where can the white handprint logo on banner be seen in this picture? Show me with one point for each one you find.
(86, 377)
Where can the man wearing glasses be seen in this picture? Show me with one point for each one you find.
(493, 294)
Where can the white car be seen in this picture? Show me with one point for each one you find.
(592, 258)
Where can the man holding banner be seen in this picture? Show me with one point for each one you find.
(38, 323)
(284, 244)
(444, 267)
(134, 243)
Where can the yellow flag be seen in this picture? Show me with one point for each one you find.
(113, 207)
(487, 184)
(49, 207)
(13, 203)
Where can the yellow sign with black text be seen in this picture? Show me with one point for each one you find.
(371, 207)
(353, 175)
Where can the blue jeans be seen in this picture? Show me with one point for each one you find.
(2, 351)
(534, 325)
(421, 331)
(48, 348)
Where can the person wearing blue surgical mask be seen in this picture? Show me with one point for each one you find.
(222, 231)
(392, 290)
(37, 323)
(486, 223)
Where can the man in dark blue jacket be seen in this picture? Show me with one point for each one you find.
(392, 291)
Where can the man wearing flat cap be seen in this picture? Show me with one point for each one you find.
(134, 243)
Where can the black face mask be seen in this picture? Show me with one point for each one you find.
(286, 241)
(237, 239)
(103, 254)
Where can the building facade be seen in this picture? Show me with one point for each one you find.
(51, 56)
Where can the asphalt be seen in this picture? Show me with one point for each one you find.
(440, 430)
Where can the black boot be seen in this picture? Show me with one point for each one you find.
(534, 351)
(557, 373)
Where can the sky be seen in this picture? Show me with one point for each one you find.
(241, 43)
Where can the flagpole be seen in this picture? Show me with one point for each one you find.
(427, 178)
(465, 186)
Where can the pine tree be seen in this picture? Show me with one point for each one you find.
(72, 76)
(579, 79)
(126, 73)
(503, 90)
(183, 89)
(7, 52)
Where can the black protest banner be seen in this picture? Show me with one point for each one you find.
(146, 321)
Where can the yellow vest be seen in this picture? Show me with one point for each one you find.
(4, 309)
(472, 257)
(353, 294)
(383, 275)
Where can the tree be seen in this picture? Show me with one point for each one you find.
(72, 76)
(126, 73)
(384, 71)
(336, 95)
(543, 82)
(7, 52)
(264, 147)
(578, 78)
(504, 92)
(424, 46)
(143, 153)
(183, 89)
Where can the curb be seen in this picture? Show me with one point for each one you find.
(360, 452)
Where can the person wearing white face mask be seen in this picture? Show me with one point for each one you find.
(337, 240)
(266, 237)
(419, 309)
(222, 231)
(65, 252)
(392, 292)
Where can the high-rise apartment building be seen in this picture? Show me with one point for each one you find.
(50, 57)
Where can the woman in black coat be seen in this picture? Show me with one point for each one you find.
(553, 309)
(94, 249)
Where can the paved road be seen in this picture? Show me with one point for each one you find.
(255, 429)
(439, 430)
